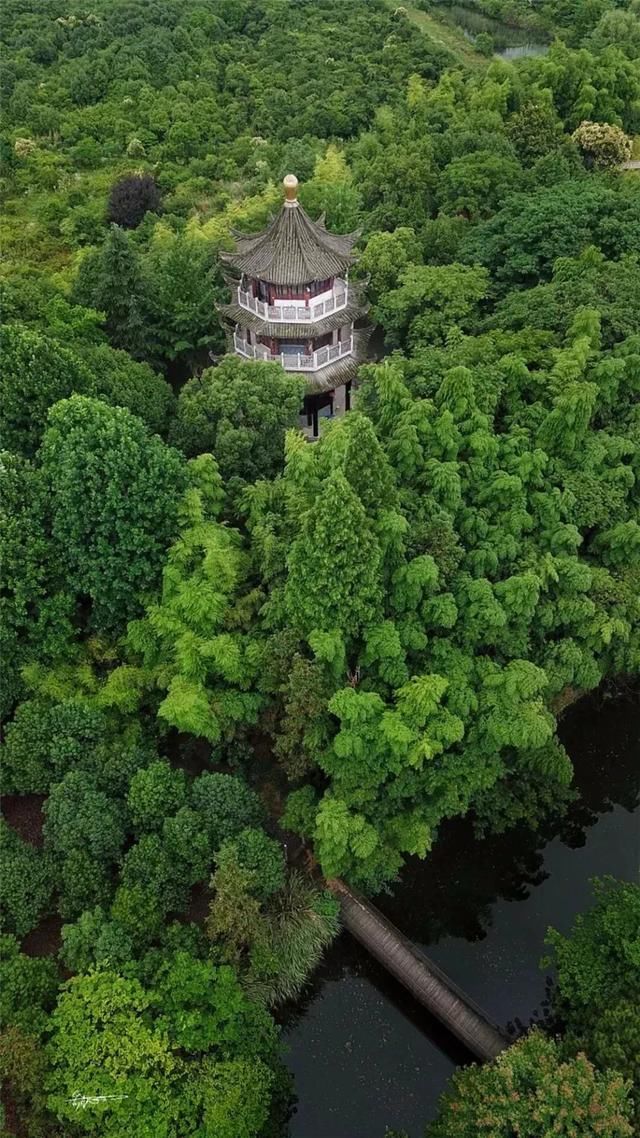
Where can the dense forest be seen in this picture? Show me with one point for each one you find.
(237, 665)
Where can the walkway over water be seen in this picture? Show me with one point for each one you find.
(428, 983)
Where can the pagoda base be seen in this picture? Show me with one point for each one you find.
(322, 405)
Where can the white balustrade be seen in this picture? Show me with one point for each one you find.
(297, 311)
(295, 361)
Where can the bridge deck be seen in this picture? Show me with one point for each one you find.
(428, 983)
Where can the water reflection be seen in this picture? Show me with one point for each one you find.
(509, 41)
(453, 891)
(363, 1054)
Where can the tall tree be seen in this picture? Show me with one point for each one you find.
(334, 565)
(112, 281)
(114, 494)
(192, 643)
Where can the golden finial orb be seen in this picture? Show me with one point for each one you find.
(290, 183)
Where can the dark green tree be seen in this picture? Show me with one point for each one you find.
(155, 793)
(44, 741)
(34, 608)
(23, 1069)
(81, 819)
(598, 981)
(28, 989)
(26, 882)
(239, 411)
(36, 372)
(260, 856)
(114, 493)
(130, 198)
(226, 805)
(534, 130)
(112, 281)
(124, 382)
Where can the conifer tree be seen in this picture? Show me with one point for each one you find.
(112, 281)
(334, 565)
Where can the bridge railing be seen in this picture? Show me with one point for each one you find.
(420, 975)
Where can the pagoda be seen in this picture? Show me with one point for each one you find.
(293, 304)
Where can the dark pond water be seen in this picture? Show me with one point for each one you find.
(510, 42)
(366, 1056)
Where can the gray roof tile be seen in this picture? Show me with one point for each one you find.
(292, 250)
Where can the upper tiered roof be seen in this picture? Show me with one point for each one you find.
(293, 249)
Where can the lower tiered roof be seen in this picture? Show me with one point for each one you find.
(236, 314)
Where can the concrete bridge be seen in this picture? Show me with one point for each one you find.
(428, 983)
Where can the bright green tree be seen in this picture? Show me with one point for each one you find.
(182, 289)
(430, 302)
(103, 1044)
(334, 565)
(191, 642)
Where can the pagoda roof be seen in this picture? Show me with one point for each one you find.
(293, 249)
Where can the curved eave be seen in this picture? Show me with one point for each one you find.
(340, 371)
(290, 268)
(357, 287)
(334, 374)
(296, 331)
(292, 250)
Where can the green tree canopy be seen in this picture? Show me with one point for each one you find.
(26, 882)
(112, 281)
(598, 981)
(239, 412)
(28, 988)
(36, 373)
(531, 1091)
(114, 493)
